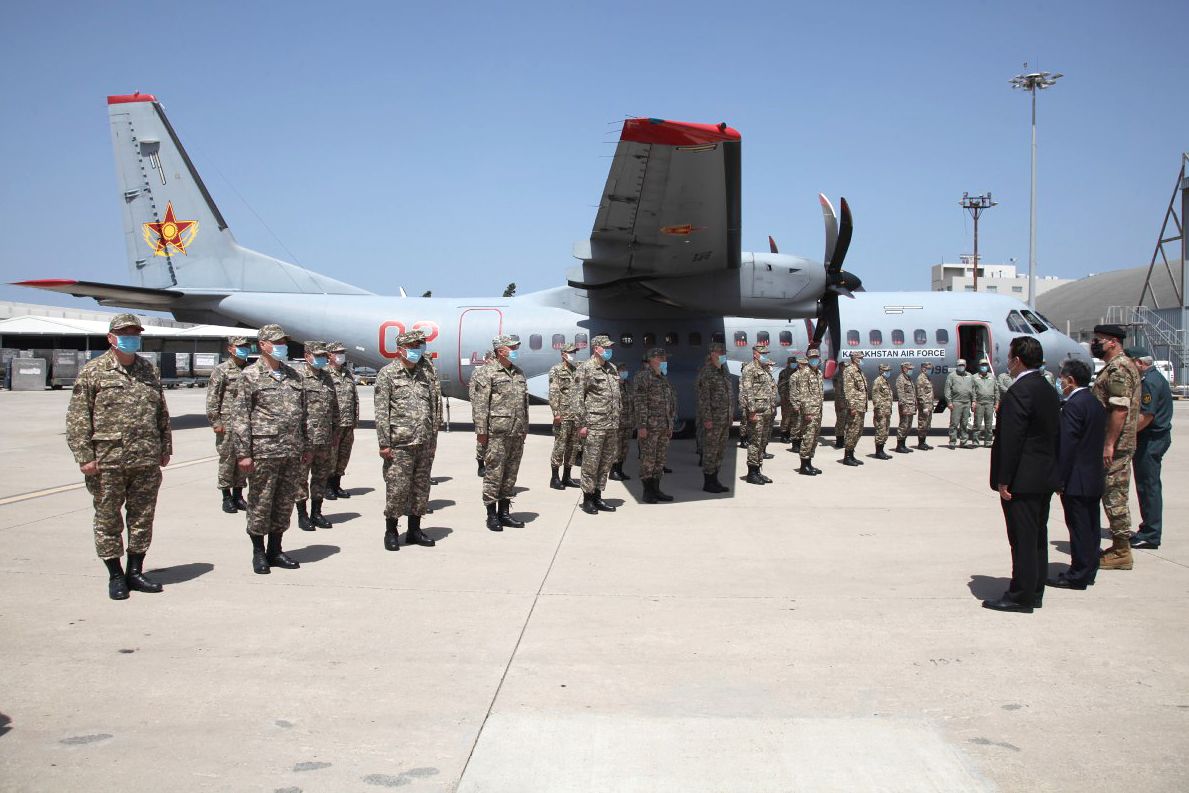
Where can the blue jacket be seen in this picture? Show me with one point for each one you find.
(1083, 434)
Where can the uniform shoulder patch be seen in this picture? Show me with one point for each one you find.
(1147, 399)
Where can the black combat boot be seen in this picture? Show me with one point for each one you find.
(588, 504)
(849, 458)
(505, 516)
(813, 467)
(806, 469)
(328, 491)
(922, 445)
(117, 584)
(316, 516)
(902, 447)
(136, 577)
(656, 490)
(839, 442)
(259, 557)
(600, 504)
(617, 473)
(303, 517)
(337, 488)
(482, 468)
(555, 480)
(760, 473)
(568, 480)
(753, 475)
(649, 496)
(880, 454)
(277, 557)
(229, 505)
(416, 536)
(710, 483)
(493, 520)
(391, 535)
(238, 494)
(714, 480)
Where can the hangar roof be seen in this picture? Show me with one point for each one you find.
(1083, 303)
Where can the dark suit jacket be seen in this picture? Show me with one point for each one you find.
(1083, 433)
(1024, 455)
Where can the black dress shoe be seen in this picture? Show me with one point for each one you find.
(1144, 545)
(1061, 582)
(1006, 604)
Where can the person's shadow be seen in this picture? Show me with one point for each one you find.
(336, 518)
(985, 587)
(180, 573)
(313, 553)
(435, 533)
(5, 724)
(1062, 546)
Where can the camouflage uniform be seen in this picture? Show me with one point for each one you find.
(714, 405)
(270, 427)
(654, 408)
(118, 418)
(322, 422)
(810, 395)
(501, 413)
(405, 409)
(597, 403)
(881, 402)
(925, 404)
(480, 445)
(565, 433)
(986, 400)
(906, 402)
(221, 393)
(1118, 385)
(959, 392)
(796, 422)
(756, 396)
(840, 406)
(347, 394)
(786, 403)
(854, 393)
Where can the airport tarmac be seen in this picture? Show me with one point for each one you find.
(815, 634)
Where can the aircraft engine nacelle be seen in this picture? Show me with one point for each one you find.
(766, 286)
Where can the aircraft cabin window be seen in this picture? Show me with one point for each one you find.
(559, 341)
(786, 338)
(919, 337)
(876, 338)
(580, 341)
(626, 340)
(943, 336)
(898, 337)
(718, 337)
(672, 339)
(762, 337)
(649, 339)
(534, 341)
(695, 339)
(740, 338)
(1034, 321)
(852, 338)
(1016, 323)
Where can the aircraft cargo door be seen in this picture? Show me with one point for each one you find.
(974, 343)
(476, 328)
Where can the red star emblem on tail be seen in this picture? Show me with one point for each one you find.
(170, 233)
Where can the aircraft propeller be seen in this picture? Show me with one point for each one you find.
(838, 281)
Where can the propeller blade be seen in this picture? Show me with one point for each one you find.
(772, 244)
(835, 329)
(846, 229)
(831, 228)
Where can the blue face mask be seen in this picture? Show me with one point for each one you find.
(623, 374)
(242, 353)
(280, 352)
(128, 344)
(815, 362)
(607, 353)
(320, 362)
(513, 355)
(412, 354)
(983, 369)
(664, 367)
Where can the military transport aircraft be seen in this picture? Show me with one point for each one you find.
(662, 267)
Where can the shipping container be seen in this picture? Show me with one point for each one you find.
(28, 374)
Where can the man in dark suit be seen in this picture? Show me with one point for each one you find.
(1024, 472)
(1080, 478)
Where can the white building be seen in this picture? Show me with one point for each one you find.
(995, 278)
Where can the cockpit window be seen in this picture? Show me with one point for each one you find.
(1046, 320)
(1037, 324)
(1017, 324)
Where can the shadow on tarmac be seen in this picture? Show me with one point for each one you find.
(313, 553)
(1062, 546)
(5, 724)
(180, 573)
(436, 533)
(441, 503)
(336, 518)
(189, 421)
(359, 491)
(985, 587)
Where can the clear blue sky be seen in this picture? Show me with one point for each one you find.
(457, 147)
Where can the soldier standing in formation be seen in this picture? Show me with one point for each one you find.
(756, 405)
(1153, 438)
(405, 409)
(501, 424)
(348, 398)
(1117, 389)
(714, 415)
(840, 407)
(809, 396)
(270, 443)
(480, 445)
(565, 427)
(596, 399)
(795, 388)
(654, 409)
(1004, 381)
(854, 395)
(906, 405)
(625, 427)
(959, 393)
(117, 428)
(925, 404)
(881, 402)
(221, 393)
(435, 404)
(786, 405)
(986, 400)
(322, 411)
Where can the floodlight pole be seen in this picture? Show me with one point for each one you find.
(976, 205)
(1031, 83)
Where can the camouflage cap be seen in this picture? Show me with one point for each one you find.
(802, 359)
(926, 365)
(760, 348)
(814, 353)
(718, 347)
(570, 349)
(883, 367)
(336, 346)
(120, 321)
(237, 341)
(504, 341)
(410, 338)
(657, 352)
(906, 363)
(315, 347)
(858, 354)
(602, 341)
(271, 333)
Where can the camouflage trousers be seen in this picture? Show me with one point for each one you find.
(960, 422)
(501, 464)
(272, 489)
(924, 421)
(841, 411)
(787, 416)
(855, 419)
(796, 423)
(134, 489)
(1115, 491)
(342, 450)
(313, 476)
(811, 427)
(983, 416)
(624, 441)
(881, 419)
(565, 443)
(229, 473)
(906, 417)
(714, 443)
(406, 480)
(757, 439)
(653, 451)
(598, 455)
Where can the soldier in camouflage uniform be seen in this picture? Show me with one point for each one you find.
(786, 405)
(405, 404)
(713, 388)
(959, 393)
(925, 404)
(854, 394)
(436, 407)
(269, 422)
(117, 428)
(810, 395)
(840, 406)
(221, 393)
(626, 429)
(756, 403)
(597, 402)
(795, 388)
(501, 422)
(348, 398)
(906, 405)
(881, 402)
(986, 401)
(1118, 388)
(654, 410)
(480, 446)
(322, 427)
(565, 429)
(1004, 381)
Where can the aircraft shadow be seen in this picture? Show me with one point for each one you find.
(180, 573)
(189, 421)
(985, 587)
(313, 553)
(342, 517)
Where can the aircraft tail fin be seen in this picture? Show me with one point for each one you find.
(175, 235)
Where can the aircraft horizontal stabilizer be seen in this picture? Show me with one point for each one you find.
(120, 295)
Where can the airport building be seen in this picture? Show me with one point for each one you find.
(999, 279)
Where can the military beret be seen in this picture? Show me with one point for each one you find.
(120, 321)
(315, 347)
(814, 353)
(570, 348)
(718, 347)
(657, 352)
(883, 367)
(1117, 331)
(271, 333)
(760, 348)
(410, 338)
(601, 341)
(336, 346)
(503, 341)
(237, 341)
(1135, 353)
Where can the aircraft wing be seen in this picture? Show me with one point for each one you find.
(670, 206)
(110, 294)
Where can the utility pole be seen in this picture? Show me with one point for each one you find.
(1032, 83)
(976, 205)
